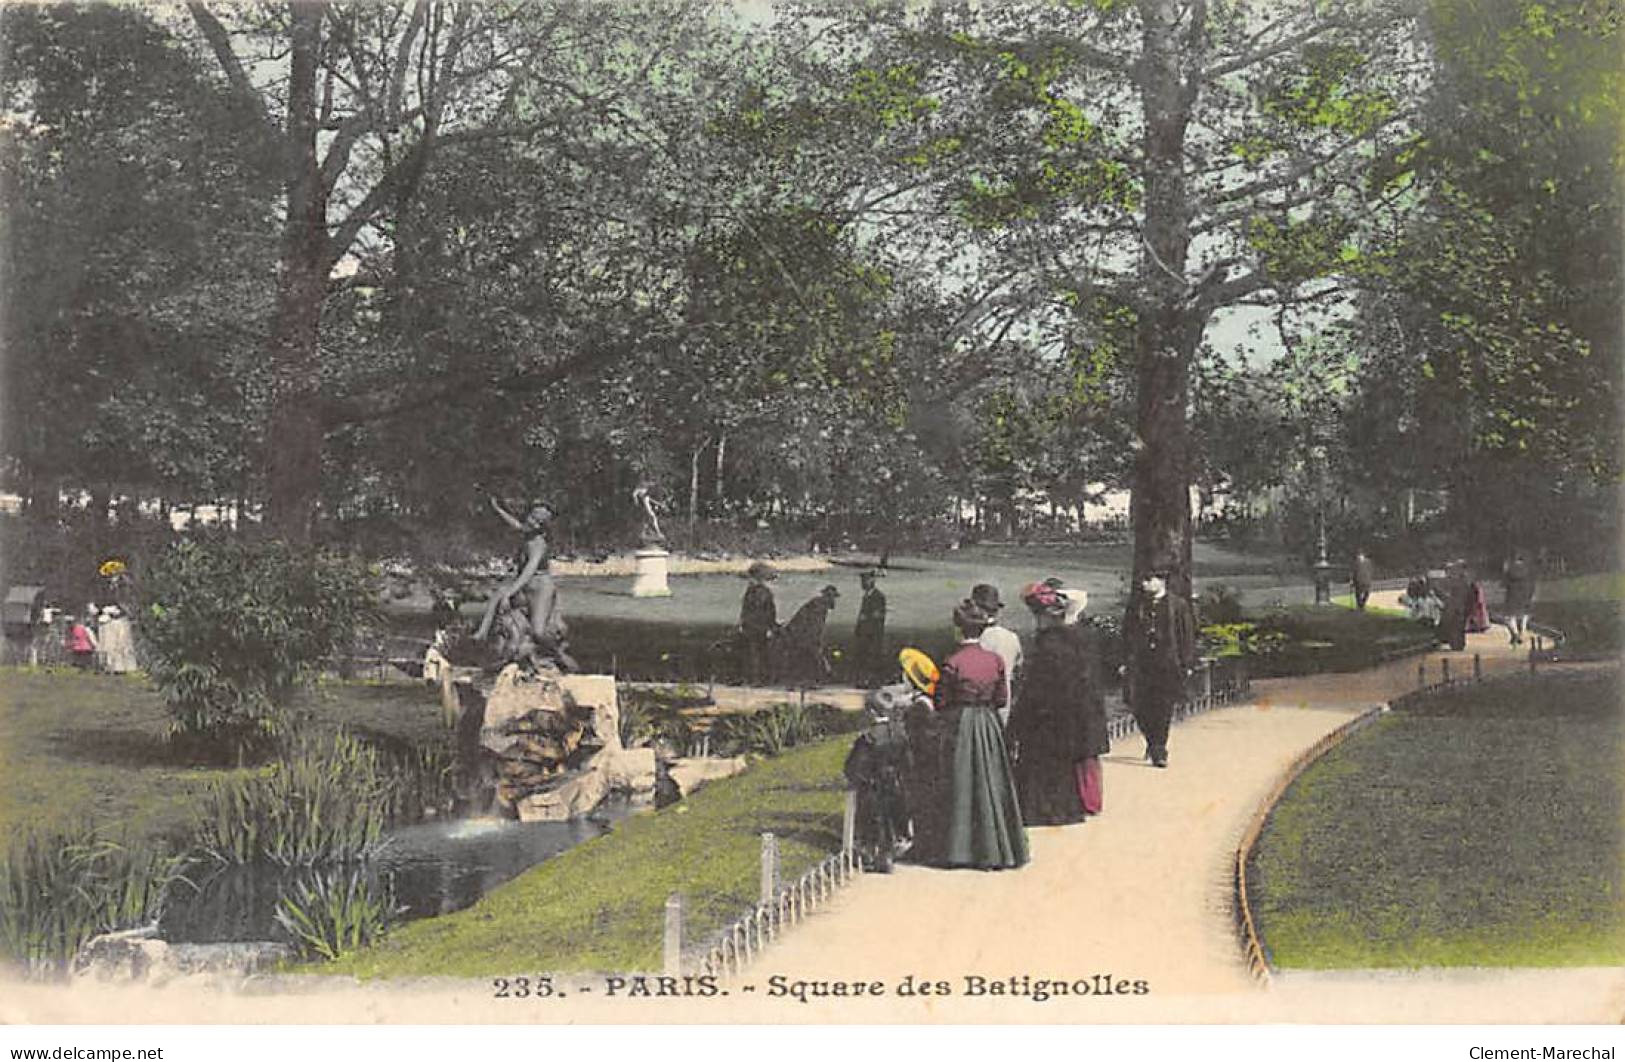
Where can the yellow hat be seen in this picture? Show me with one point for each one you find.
(919, 669)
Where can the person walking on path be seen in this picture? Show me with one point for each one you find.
(1456, 594)
(1002, 641)
(1518, 577)
(983, 827)
(869, 635)
(1360, 577)
(758, 623)
(803, 639)
(1159, 639)
(1058, 726)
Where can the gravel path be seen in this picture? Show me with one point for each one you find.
(1143, 893)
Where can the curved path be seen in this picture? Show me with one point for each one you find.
(1143, 892)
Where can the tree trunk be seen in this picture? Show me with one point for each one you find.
(1170, 323)
(294, 432)
(722, 450)
(694, 485)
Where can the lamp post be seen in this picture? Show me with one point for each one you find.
(1322, 567)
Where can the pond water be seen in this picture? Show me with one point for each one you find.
(434, 868)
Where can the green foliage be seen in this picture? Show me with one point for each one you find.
(1219, 604)
(60, 888)
(324, 803)
(1241, 639)
(231, 627)
(770, 731)
(335, 913)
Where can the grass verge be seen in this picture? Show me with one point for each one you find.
(78, 747)
(600, 905)
(1478, 828)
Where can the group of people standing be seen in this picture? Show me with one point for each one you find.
(968, 756)
(1455, 603)
(796, 651)
(101, 640)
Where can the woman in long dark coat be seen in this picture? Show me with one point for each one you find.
(1058, 727)
(983, 826)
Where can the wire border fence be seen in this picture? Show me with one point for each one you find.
(741, 941)
(1255, 952)
(1216, 682)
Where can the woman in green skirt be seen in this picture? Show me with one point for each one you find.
(983, 824)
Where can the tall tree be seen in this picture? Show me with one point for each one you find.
(1175, 157)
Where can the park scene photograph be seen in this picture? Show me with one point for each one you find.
(872, 511)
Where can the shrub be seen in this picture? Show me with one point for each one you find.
(1219, 605)
(57, 890)
(231, 627)
(335, 913)
(770, 731)
(321, 804)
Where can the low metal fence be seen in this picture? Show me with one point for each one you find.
(781, 906)
(1216, 682)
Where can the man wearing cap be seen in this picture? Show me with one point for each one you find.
(804, 637)
(1159, 639)
(758, 621)
(869, 636)
(1001, 641)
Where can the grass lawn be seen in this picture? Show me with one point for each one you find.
(671, 638)
(78, 747)
(1480, 828)
(600, 906)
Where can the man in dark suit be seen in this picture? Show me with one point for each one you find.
(758, 622)
(869, 635)
(1159, 640)
(1360, 577)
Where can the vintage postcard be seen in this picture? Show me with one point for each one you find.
(689, 511)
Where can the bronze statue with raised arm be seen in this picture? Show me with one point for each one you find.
(535, 583)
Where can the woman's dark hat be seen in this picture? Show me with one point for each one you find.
(986, 597)
(1042, 597)
(971, 617)
(761, 570)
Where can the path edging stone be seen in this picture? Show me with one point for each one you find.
(1252, 942)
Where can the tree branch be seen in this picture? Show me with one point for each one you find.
(247, 97)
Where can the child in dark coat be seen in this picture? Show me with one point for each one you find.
(876, 769)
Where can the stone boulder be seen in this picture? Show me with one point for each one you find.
(138, 956)
(694, 771)
(628, 771)
(597, 693)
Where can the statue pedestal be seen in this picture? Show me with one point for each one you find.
(650, 580)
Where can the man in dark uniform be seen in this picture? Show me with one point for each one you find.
(758, 623)
(1159, 639)
(1360, 577)
(869, 636)
(803, 639)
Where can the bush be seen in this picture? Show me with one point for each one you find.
(231, 627)
(770, 731)
(335, 913)
(322, 804)
(57, 890)
(1219, 605)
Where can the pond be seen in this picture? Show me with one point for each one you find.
(434, 868)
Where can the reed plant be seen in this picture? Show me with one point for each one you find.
(325, 802)
(58, 889)
(336, 912)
